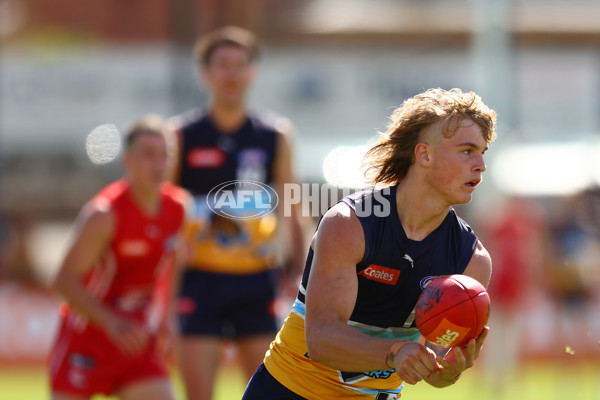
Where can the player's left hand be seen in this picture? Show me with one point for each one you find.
(461, 358)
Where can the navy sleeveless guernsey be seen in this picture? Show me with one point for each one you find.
(209, 158)
(391, 277)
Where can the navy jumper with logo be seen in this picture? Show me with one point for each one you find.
(228, 287)
(391, 277)
(210, 157)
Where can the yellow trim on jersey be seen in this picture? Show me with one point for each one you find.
(286, 360)
(254, 255)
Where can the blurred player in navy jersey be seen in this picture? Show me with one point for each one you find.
(229, 287)
(117, 278)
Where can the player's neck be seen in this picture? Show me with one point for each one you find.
(419, 211)
(228, 118)
(148, 200)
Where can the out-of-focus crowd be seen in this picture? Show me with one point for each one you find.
(545, 281)
(15, 253)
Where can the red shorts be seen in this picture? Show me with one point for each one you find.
(87, 363)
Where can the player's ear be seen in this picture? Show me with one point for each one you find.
(423, 154)
(204, 71)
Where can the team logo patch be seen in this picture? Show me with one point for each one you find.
(77, 360)
(410, 260)
(426, 281)
(381, 274)
(152, 231)
(252, 157)
(205, 157)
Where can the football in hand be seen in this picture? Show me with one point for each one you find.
(452, 310)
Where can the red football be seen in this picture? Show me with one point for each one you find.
(452, 310)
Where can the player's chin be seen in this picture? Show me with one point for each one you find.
(154, 182)
(463, 198)
(466, 195)
(233, 97)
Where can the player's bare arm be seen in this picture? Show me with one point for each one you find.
(331, 295)
(480, 266)
(461, 358)
(182, 250)
(95, 228)
(283, 174)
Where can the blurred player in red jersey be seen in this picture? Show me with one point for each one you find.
(516, 234)
(114, 278)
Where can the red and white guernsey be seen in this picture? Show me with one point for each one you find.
(131, 277)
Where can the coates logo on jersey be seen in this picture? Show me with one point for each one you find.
(426, 281)
(205, 157)
(242, 199)
(381, 274)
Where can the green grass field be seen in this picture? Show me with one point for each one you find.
(535, 381)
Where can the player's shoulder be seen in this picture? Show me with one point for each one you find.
(480, 265)
(176, 194)
(271, 120)
(188, 119)
(481, 252)
(339, 232)
(341, 219)
(460, 225)
(113, 190)
(98, 214)
(111, 197)
(173, 192)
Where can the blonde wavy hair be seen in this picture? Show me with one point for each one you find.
(389, 160)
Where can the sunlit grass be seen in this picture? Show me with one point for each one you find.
(31, 383)
(534, 381)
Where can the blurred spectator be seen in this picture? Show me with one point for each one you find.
(28, 311)
(15, 253)
(4, 247)
(515, 240)
(573, 270)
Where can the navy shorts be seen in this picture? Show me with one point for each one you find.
(228, 306)
(263, 386)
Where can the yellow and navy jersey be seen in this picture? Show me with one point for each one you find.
(391, 276)
(208, 158)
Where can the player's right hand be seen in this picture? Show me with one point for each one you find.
(415, 362)
(129, 337)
